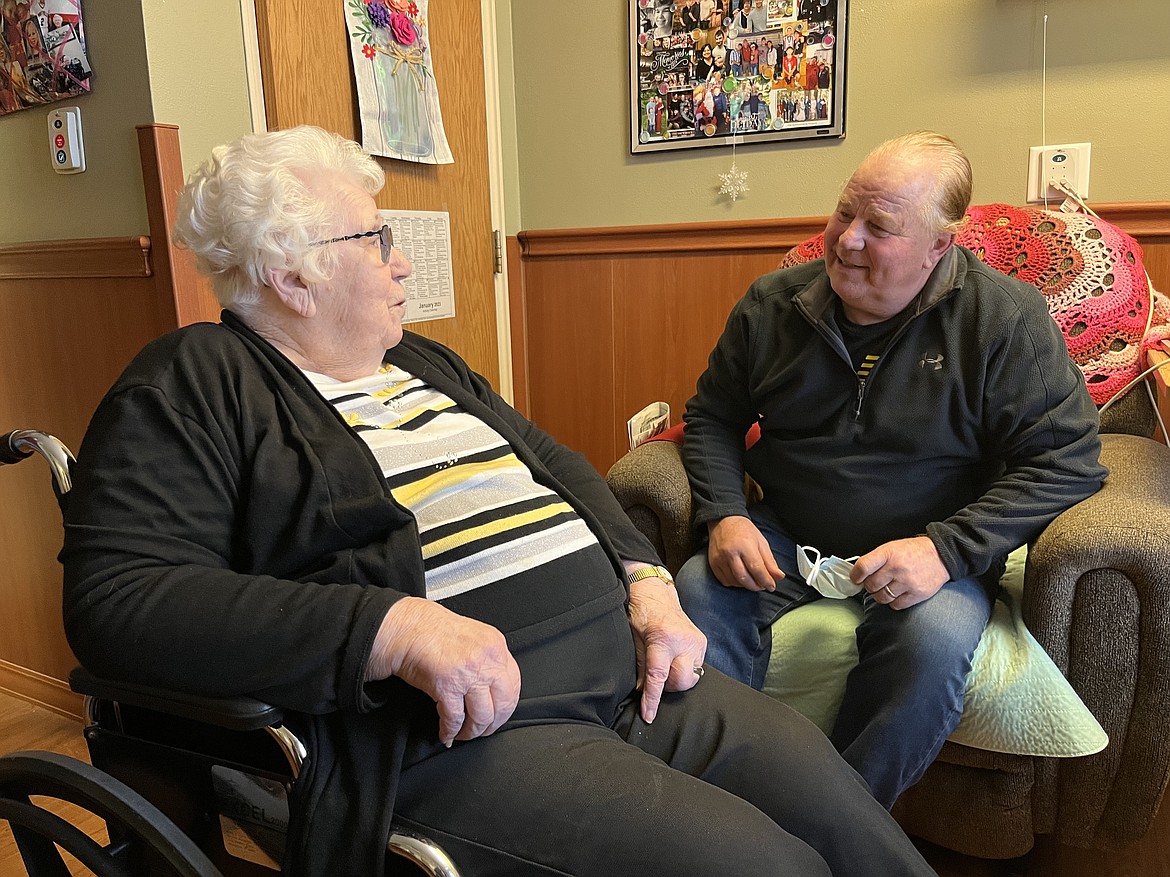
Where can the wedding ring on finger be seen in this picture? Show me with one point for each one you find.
(698, 671)
(886, 588)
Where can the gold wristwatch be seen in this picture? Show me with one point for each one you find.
(649, 572)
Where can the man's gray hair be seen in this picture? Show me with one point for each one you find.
(247, 208)
(951, 194)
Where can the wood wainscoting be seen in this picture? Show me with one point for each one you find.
(72, 315)
(607, 320)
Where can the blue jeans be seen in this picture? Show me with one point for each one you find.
(905, 695)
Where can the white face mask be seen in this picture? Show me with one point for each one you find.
(829, 575)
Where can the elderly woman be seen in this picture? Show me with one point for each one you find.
(306, 504)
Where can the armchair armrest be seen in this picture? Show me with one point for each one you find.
(1097, 597)
(651, 485)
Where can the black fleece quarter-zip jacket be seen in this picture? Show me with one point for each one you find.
(975, 426)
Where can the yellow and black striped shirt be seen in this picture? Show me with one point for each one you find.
(481, 515)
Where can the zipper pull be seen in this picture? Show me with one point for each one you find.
(860, 396)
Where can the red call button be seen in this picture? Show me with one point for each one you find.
(59, 140)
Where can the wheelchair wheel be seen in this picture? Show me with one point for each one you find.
(142, 838)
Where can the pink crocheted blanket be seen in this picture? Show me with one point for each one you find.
(1089, 270)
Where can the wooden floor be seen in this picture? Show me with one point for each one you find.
(23, 726)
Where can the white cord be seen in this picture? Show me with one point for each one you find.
(1068, 190)
(1072, 193)
(1044, 99)
(1157, 412)
(1149, 392)
(1127, 387)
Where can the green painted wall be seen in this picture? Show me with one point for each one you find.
(198, 81)
(969, 68)
(176, 63)
(510, 148)
(36, 203)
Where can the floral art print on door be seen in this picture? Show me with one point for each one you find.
(391, 51)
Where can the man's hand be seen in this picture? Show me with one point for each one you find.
(739, 555)
(668, 647)
(463, 664)
(901, 573)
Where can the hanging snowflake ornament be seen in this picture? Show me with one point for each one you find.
(734, 182)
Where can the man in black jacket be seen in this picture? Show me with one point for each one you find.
(310, 506)
(919, 419)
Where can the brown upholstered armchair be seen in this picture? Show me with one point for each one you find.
(1096, 597)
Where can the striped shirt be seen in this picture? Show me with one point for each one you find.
(863, 340)
(481, 516)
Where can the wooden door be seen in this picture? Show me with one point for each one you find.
(304, 59)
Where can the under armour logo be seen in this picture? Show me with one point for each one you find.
(935, 360)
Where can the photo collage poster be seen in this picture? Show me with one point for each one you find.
(42, 53)
(715, 72)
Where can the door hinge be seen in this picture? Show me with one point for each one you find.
(497, 251)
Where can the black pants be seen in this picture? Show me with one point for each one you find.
(725, 782)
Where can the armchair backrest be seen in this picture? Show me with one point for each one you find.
(1095, 282)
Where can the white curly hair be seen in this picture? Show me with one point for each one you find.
(247, 209)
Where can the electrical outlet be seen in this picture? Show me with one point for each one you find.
(1048, 165)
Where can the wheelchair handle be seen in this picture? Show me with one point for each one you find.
(21, 443)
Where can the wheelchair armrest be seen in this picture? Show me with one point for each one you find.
(233, 713)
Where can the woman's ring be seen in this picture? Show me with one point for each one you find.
(698, 672)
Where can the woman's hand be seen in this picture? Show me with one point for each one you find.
(668, 646)
(463, 664)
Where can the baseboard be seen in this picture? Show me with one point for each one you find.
(42, 690)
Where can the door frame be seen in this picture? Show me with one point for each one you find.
(251, 42)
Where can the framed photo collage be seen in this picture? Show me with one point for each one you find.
(718, 72)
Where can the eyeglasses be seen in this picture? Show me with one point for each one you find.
(384, 234)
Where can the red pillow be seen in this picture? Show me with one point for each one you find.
(675, 434)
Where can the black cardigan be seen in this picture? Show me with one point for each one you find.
(228, 534)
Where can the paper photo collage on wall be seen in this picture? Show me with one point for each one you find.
(727, 68)
(42, 53)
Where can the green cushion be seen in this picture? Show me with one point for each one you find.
(1016, 701)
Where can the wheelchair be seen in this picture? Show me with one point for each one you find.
(137, 830)
(187, 785)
